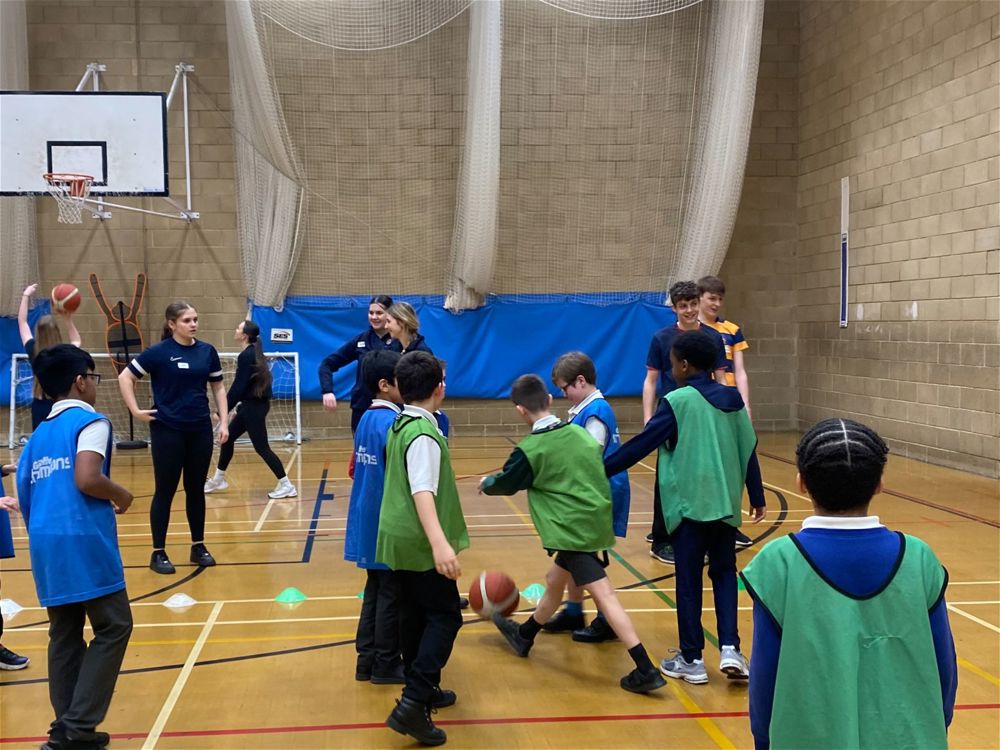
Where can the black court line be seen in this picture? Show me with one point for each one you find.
(909, 498)
(314, 523)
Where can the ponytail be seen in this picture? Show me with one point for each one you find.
(261, 376)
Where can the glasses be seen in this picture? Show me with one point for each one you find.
(95, 376)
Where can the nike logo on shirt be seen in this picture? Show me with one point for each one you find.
(174, 359)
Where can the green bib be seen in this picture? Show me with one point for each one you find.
(569, 498)
(852, 673)
(702, 478)
(402, 543)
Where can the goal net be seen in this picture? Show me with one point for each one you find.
(284, 421)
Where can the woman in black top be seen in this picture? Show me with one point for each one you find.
(402, 322)
(46, 335)
(249, 400)
(180, 425)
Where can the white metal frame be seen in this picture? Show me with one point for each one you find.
(181, 72)
(12, 390)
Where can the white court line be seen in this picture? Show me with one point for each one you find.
(975, 619)
(270, 501)
(175, 693)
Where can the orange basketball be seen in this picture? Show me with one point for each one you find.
(66, 298)
(493, 591)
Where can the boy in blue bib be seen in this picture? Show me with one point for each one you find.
(69, 504)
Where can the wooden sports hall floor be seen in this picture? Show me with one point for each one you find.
(237, 670)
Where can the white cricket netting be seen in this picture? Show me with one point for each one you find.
(284, 422)
(590, 148)
(18, 244)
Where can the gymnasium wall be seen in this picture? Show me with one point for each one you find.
(895, 94)
(902, 98)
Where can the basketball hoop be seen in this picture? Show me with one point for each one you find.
(70, 191)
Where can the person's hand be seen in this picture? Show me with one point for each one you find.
(8, 504)
(29, 290)
(223, 433)
(145, 415)
(329, 401)
(123, 502)
(757, 514)
(446, 561)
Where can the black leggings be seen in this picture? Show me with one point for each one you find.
(175, 452)
(251, 418)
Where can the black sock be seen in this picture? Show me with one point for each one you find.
(641, 658)
(529, 629)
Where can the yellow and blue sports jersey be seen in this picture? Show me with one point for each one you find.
(733, 339)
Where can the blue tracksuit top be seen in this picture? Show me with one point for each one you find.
(621, 492)
(369, 480)
(73, 537)
(354, 351)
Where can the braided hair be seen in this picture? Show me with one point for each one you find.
(841, 462)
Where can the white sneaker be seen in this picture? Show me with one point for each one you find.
(284, 489)
(680, 668)
(215, 485)
(734, 664)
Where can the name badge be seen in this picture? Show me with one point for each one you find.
(183, 366)
(361, 345)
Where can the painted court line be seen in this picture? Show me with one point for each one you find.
(975, 619)
(966, 664)
(694, 710)
(175, 693)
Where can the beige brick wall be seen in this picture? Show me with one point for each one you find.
(901, 97)
(141, 42)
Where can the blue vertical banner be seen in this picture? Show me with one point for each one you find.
(845, 216)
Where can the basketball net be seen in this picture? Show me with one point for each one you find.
(70, 191)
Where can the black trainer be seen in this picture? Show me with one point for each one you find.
(443, 698)
(160, 563)
(200, 556)
(392, 676)
(463, 602)
(663, 553)
(414, 719)
(642, 682)
(742, 540)
(564, 622)
(597, 632)
(649, 538)
(363, 672)
(512, 632)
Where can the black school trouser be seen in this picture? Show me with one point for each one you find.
(251, 418)
(660, 533)
(177, 452)
(429, 616)
(82, 678)
(377, 641)
(692, 540)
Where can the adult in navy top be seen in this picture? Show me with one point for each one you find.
(180, 429)
(403, 324)
(373, 339)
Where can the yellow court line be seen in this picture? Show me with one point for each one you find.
(978, 671)
(710, 727)
(525, 519)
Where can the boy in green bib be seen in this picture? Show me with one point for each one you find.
(705, 456)
(421, 530)
(560, 465)
(851, 645)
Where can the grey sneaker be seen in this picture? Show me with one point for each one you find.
(680, 668)
(215, 485)
(734, 664)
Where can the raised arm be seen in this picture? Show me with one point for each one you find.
(71, 330)
(22, 313)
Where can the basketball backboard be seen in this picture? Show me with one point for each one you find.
(119, 138)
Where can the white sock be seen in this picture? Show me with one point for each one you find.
(285, 481)
(219, 474)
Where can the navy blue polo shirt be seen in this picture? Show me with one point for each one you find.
(659, 353)
(180, 375)
(353, 351)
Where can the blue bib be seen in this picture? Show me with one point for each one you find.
(366, 493)
(621, 492)
(73, 537)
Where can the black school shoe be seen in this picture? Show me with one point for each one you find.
(443, 698)
(59, 741)
(597, 632)
(414, 719)
(393, 676)
(160, 563)
(642, 682)
(512, 632)
(564, 622)
(200, 556)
